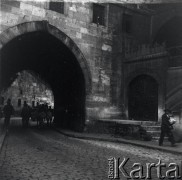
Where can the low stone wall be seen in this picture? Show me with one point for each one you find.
(131, 131)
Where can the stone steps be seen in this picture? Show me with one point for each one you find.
(157, 138)
(154, 133)
(116, 125)
(133, 122)
(153, 130)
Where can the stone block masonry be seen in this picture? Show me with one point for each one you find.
(76, 22)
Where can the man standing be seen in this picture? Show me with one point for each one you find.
(25, 114)
(8, 110)
(166, 128)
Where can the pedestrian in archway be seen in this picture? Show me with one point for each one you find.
(41, 115)
(25, 114)
(8, 110)
(166, 128)
(49, 116)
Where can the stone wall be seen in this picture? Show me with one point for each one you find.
(154, 67)
(166, 26)
(106, 49)
(123, 42)
(95, 42)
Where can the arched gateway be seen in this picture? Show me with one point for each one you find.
(44, 49)
(143, 98)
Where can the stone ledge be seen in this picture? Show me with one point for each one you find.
(96, 137)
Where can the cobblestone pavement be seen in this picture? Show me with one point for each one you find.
(47, 155)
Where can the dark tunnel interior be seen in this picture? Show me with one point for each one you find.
(143, 98)
(47, 56)
(170, 33)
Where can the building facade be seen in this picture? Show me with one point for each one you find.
(112, 61)
(27, 87)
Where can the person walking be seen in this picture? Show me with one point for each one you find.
(166, 128)
(49, 116)
(25, 114)
(8, 110)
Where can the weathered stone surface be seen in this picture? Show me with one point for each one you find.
(38, 12)
(25, 6)
(106, 47)
(103, 47)
(9, 19)
(78, 35)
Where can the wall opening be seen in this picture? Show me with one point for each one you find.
(30, 88)
(143, 98)
(56, 64)
(169, 35)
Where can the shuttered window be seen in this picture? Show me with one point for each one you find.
(99, 14)
(57, 6)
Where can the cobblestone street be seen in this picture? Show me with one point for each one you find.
(47, 155)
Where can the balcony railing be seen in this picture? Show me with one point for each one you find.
(144, 50)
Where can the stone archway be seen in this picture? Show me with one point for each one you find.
(44, 49)
(34, 26)
(160, 78)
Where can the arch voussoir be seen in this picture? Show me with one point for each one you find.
(5, 37)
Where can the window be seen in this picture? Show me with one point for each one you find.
(33, 103)
(57, 6)
(127, 23)
(2, 100)
(99, 14)
(21, 92)
(19, 102)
